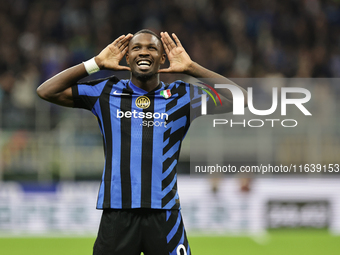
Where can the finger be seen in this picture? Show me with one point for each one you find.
(170, 41)
(177, 40)
(165, 70)
(123, 68)
(123, 40)
(124, 50)
(124, 44)
(166, 40)
(127, 40)
(118, 40)
(167, 50)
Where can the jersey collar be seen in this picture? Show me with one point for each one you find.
(136, 89)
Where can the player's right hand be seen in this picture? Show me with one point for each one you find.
(110, 57)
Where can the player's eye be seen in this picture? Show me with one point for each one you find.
(135, 48)
(152, 48)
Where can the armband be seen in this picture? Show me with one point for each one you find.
(91, 66)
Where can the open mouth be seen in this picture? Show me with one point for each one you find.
(144, 64)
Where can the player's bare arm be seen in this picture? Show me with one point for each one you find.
(180, 62)
(58, 90)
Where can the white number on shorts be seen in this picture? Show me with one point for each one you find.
(179, 247)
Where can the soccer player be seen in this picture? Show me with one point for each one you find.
(143, 122)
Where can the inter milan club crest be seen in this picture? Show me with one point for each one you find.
(166, 93)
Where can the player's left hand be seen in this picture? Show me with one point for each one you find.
(179, 59)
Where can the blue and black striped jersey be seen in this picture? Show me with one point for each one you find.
(142, 133)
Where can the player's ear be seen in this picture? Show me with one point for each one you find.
(163, 58)
(127, 58)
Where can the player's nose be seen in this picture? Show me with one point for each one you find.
(144, 51)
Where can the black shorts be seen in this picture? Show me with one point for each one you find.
(132, 231)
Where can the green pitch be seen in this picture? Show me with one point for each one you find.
(275, 243)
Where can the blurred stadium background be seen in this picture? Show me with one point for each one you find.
(51, 158)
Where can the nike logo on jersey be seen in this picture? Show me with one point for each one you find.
(120, 94)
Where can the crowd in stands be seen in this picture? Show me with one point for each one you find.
(236, 38)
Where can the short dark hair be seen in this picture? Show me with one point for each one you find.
(147, 31)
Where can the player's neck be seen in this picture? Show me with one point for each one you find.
(148, 84)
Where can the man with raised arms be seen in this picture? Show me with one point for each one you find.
(143, 122)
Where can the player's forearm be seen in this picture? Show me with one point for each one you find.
(56, 85)
(199, 71)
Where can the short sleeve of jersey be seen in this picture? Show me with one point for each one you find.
(196, 100)
(85, 96)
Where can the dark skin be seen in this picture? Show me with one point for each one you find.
(180, 62)
(148, 48)
(142, 47)
(57, 89)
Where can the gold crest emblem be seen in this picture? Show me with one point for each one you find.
(143, 102)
